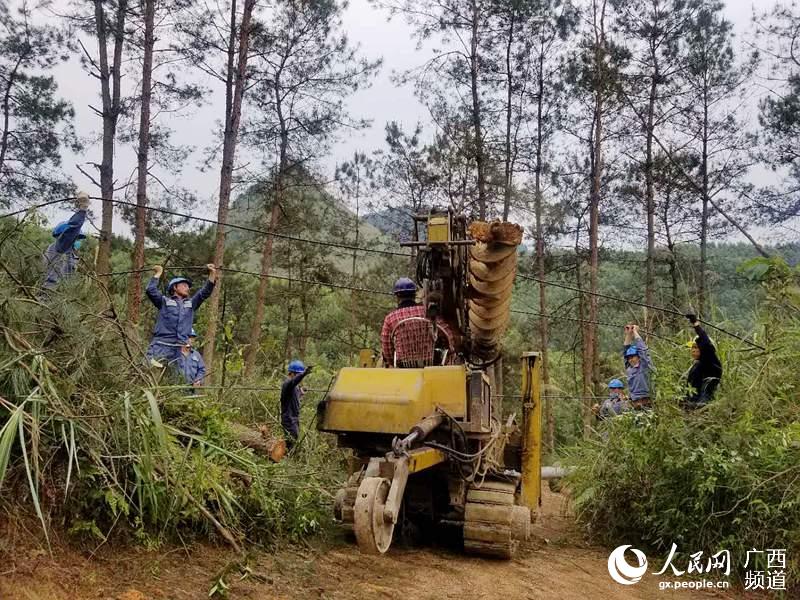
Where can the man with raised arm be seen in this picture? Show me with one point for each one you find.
(176, 311)
(638, 367)
(61, 257)
(705, 374)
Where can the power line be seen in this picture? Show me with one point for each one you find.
(381, 293)
(262, 232)
(281, 236)
(35, 207)
(636, 303)
(258, 275)
(579, 320)
(384, 252)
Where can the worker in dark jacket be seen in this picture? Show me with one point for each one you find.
(176, 312)
(638, 366)
(291, 393)
(705, 374)
(61, 258)
(190, 364)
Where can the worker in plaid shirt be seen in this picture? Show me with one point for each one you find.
(407, 336)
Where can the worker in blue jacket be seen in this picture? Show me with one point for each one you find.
(291, 393)
(190, 364)
(615, 404)
(176, 312)
(638, 368)
(61, 258)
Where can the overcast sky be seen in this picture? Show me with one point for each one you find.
(381, 102)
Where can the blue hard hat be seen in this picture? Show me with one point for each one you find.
(404, 286)
(297, 366)
(175, 281)
(631, 351)
(616, 384)
(62, 227)
(193, 333)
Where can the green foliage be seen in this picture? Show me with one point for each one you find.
(725, 477)
(90, 438)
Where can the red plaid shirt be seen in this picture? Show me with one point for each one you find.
(407, 335)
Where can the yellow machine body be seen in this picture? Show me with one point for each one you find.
(438, 230)
(430, 445)
(392, 401)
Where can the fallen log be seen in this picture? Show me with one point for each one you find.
(261, 440)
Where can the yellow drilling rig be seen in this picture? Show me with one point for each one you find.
(432, 450)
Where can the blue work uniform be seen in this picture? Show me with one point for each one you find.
(191, 367)
(174, 321)
(291, 392)
(60, 259)
(613, 406)
(639, 376)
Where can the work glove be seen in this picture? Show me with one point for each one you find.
(212, 272)
(308, 370)
(691, 317)
(83, 200)
(157, 271)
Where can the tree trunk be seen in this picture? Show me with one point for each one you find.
(540, 267)
(234, 93)
(701, 285)
(266, 252)
(480, 158)
(134, 281)
(594, 204)
(288, 342)
(586, 359)
(11, 79)
(354, 270)
(301, 347)
(509, 115)
(673, 276)
(110, 77)
(261, 293)
(261, 440)
(673, 258)
(650, 279)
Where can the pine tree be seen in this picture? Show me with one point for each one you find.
(226, 61)
(654, 30)
(713, 80)
(35, 123)
(305, 69)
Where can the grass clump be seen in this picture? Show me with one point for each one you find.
(93, 443)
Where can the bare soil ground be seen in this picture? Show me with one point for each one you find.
(557, 564)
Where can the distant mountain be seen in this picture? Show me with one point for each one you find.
(311, 213)
(392, 222)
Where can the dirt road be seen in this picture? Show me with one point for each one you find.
(556, 565)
